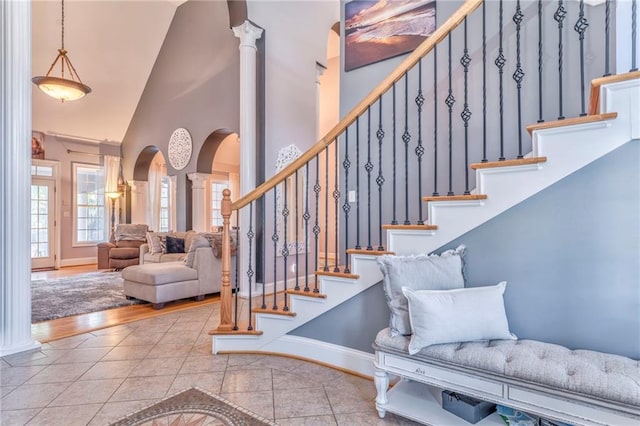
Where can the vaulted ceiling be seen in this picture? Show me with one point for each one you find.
(113, 46)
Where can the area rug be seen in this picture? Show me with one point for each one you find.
(77, 294)
(193, 407)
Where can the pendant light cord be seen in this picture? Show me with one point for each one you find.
(62, 24)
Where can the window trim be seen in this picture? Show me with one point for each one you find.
(74, 179)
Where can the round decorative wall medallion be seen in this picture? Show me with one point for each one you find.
(180, 148)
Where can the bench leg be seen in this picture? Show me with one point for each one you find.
(381, 380)
(199, 298)
(158, 305)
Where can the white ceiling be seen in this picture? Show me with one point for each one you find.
(113, 46)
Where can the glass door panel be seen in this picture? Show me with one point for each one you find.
(42, 223)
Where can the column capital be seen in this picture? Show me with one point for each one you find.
(248, 34)
(198, 179)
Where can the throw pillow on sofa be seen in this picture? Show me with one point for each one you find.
(156, 242)
(423, 272)
(196, 243)
(175, 245)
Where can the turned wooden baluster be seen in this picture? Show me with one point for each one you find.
(226, 323)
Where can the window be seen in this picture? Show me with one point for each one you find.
(89, 218)
(37, 170)
(216, 198)
(165, 204)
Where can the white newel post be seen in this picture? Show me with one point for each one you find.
(15, 178)
(139, 201)
(248, 34)
(198, 205)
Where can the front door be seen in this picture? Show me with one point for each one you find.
(42, 223)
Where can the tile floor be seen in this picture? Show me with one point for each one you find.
(96, 378)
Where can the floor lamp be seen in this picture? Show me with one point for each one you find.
(113, 196)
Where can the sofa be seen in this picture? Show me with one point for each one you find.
(124, 248)
(164, 280)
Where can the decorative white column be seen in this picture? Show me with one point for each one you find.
(15, 180)
(138, 201)
(198, 204)
(248, 34)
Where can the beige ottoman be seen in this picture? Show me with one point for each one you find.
(161, 282)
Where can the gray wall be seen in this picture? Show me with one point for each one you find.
(570, 255)
(194, 84)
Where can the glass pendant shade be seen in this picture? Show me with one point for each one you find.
(61, 88)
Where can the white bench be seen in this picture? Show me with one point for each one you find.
(574, 386)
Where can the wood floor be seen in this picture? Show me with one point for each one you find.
(47, 331)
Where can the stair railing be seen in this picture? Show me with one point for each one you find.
(431, 137)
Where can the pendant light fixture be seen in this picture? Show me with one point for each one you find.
(64, 89)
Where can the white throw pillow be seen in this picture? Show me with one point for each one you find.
(197, 242)
(459, 315)
(422, 272)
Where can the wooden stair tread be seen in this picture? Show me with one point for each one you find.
(508, 163)
(572, 121)
(309, 293)
(594, 99)
(467, 197)
(411, 227)
(330, 273)
(270, 310)
(242, 330)
(369, 252)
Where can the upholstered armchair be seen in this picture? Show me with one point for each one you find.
(124, 249)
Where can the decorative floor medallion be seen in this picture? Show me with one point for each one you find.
(193, 407)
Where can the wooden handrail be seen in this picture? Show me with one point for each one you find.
(441, 32)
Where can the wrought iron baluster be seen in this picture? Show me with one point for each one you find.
(435, 121)
(518, 75)
(634, 14)
(297, 245)
(285, 243)
(394, 221)
(559, 16)
(368, 166)
(484, 83)
(500, 63)
(250, 236)
(419, 148)
(326, 209)
(406, 138)
(450, 101)
(540, 116)
(316, 227)
(380, 178)
(346, 207)
(358, 246)
(264, 251)
(275, 237)
(306, 216)
(466, 112)
(607, 42)
(336, 198)
(581, 27)
(235, 286)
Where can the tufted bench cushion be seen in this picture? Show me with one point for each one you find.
(599, 375)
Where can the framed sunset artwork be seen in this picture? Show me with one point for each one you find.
(376, 30)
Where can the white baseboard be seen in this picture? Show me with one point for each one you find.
(334, 355)
(78, 261)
